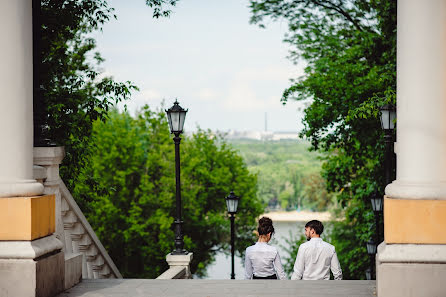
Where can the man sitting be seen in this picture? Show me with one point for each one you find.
(316, 257)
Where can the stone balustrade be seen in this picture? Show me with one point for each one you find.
(85, 256)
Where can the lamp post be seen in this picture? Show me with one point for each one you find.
(176, 115)
(377, 206)
(232, 204)
(371, 250)
(388, 116)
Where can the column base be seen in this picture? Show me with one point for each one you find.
(32, 268)
(405, 270)
(409, 190)
(21, 188)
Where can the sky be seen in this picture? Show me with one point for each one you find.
(225, 71)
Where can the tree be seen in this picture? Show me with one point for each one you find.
(132, 208)
(69, 92)
(349, 48)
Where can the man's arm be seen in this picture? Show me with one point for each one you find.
(336, 267)
(299, 265)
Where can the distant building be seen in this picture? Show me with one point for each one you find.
(261, 135)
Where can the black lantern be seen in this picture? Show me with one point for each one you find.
(388, 116)
(371, 247)
(176, 115)
(377, 203)
(232, 204)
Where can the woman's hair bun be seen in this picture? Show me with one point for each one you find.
(265, 226)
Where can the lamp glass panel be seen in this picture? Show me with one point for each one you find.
(377, 204)
(232, 205)
(182, 117)
(371, 248)
(169, 119)
(175, 121)
(385, 117)
(392, 119)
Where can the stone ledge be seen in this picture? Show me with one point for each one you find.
(411, 253)
(48, 155)
(29, 249)
(179, 260)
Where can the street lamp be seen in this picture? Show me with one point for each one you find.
(377, 206)
(371, 250)
(371, 247)
(387, 117)
(232, 204)
(176, 115)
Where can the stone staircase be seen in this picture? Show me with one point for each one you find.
(81, 239)
(85, 256)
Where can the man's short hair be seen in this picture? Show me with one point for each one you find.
(316, 225)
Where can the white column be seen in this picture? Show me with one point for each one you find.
(411, 261)
(421, 101)
(16, 100)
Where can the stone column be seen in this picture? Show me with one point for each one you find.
(16, 103)
(412, 259)
(31, 260)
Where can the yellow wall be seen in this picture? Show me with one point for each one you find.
(27, 218)
(414, 221)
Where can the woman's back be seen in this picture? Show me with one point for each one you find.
(263, 260)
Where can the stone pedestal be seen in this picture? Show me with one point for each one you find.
(180, 261)
(49, 158)
(31, 268)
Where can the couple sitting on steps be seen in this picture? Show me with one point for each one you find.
(314, 258)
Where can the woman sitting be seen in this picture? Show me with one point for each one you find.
(262, 261)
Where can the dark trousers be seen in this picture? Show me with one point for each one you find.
(265, 277)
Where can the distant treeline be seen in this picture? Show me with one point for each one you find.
(288, 174)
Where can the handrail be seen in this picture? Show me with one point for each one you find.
(175, 272)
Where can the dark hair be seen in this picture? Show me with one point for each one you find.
(265, 226)
(316, 225)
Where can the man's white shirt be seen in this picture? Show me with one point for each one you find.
(314, 260)
(262, 259)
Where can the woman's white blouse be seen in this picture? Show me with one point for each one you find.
(263, 260)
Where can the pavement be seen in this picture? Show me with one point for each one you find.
(220, 288)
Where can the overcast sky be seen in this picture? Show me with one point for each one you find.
(227, 72)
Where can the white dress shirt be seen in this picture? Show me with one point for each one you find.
(314, 260)
(263, 260)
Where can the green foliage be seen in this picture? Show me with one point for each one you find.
(70, 93)
(132, 208)
(349, 48)
(288, 174)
